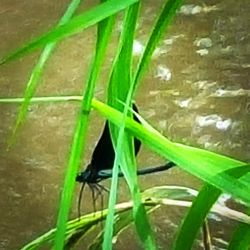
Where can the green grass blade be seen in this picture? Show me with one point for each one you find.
(38, 70)
(166, 16)
(80, 134)
(206, 165)
(229, 163)
(87, 222)
(113, 190)
(210, 163)
(75, 25)
(241, 237)
(84, 224)
(197, 214)
(164, 19)
(69, 182)
(120, 76)
(108, 233)
(41, 100)
(152, 198)
(120, 85)
(122, 221)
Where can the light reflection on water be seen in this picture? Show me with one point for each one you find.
(196, 92)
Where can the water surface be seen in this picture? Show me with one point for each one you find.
(196, 92)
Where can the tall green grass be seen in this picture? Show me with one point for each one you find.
(222, 174)
(152, 198)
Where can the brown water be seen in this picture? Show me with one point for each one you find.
(196, 92)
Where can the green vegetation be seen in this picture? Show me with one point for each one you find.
(219, 173)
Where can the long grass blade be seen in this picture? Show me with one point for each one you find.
(122, 221)
(241, 237)
(206, 165)
(80, 133)
(75, 25)
(196, 216)
(120, 77)
(164, 19)
(141, 221)
(38, 70)
(152, 198)
(41, 100)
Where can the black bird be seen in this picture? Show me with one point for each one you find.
(102, 161)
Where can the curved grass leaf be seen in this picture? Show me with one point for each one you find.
(117, 80)
(120, 83)
(152, 198)
(80, 132)
(196, 217)
(38, 69)
(121, 72)
(206, 165)
(197, 214)
(75, 25)
(167, 14)
(206, 160)
(122, 222)
(86, 223)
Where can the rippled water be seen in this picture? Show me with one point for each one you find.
(197, 91)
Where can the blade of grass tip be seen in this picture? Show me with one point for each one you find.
(37, 71)
(197, 214)
(203, 164)
(164, 19)
(80, 135)
(75, 25)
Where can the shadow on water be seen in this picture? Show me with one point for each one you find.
(196, 92)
